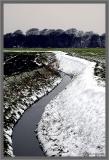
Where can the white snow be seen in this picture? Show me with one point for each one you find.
(39, 64)
(73, 123)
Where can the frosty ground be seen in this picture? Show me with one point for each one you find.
(73, 123)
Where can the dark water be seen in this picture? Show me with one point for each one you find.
(24, 139)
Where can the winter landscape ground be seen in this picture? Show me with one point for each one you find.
(73, 123)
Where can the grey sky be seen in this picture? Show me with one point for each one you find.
(86, 17)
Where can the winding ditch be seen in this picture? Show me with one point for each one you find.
(24, 141)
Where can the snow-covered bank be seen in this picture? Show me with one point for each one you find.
(20, 109)
(21, 90)
(73, 123)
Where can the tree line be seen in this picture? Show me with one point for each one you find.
(51, 38)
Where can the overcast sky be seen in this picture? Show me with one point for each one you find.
(86, 17)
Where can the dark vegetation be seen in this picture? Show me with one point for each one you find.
(16, 63)
(19, 63)
(50, 38)
(99, 70)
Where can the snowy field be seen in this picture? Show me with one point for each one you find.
(73, 123)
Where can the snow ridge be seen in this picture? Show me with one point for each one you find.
(73, 123)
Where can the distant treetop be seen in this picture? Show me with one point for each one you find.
(54, 38)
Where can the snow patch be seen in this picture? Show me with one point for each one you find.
(73, 123)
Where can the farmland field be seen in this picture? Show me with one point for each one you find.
(82, 51)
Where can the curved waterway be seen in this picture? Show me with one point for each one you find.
(24, 141)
